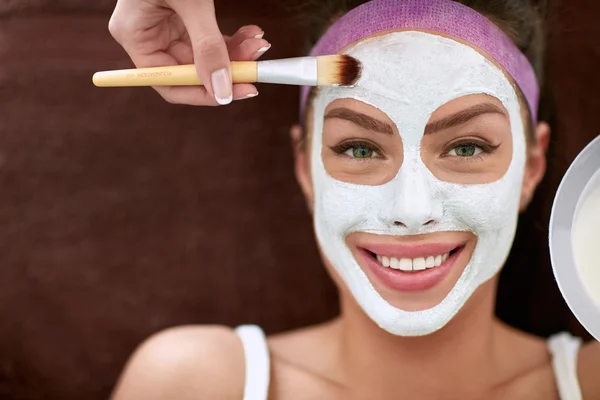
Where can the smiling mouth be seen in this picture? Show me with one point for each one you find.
(414, 264)
(409, 266)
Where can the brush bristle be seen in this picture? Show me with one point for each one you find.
(341, 70)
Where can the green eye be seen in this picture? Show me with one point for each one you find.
(359, 151)
(465, 150)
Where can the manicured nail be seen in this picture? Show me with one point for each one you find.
(248, 96)
(221, 83)
(262, 50)
(259, 36)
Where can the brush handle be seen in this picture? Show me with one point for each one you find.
(178, 75)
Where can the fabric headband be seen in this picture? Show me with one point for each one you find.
(443, 16)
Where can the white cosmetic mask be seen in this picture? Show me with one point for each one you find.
(408, 75)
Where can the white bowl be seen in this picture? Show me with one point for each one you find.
(577, 184)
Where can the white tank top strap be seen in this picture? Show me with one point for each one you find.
(256, 355)
(565, 349)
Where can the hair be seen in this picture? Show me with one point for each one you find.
(528, 297)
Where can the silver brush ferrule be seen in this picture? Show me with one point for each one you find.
(289, 71)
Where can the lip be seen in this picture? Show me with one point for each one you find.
(401, 250)
(415, 280)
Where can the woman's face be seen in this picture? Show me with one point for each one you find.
(415, 192)
(468, 141)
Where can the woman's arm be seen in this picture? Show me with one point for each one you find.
(195, 363)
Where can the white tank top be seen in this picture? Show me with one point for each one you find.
(256, 355)
(563, 347)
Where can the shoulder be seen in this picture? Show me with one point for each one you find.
(188, 362)
(588, 366)
(527, 367)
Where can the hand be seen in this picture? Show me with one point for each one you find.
(170, 32)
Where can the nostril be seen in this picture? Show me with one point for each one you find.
(430, 222)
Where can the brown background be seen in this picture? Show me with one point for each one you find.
(122, 215)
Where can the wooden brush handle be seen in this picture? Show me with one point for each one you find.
(178, 75)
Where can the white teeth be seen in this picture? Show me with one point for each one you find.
(430, 262)
(406, 264)
(416, 264)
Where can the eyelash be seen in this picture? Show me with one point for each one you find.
(486, 149)
(343, 147)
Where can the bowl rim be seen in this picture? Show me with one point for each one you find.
(572, 186)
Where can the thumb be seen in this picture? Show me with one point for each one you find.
(210, 51)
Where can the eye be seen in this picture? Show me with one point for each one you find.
(465, 150)
(358, 150)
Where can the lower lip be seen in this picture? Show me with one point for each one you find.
(409, 281)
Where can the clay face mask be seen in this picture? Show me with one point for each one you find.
(408, 75)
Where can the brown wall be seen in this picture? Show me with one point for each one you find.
(121, 215)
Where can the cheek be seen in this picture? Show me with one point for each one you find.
(482, 208)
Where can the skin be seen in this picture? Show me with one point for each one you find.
(475, 356)
(172, 32)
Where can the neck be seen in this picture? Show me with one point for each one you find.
(458, 357)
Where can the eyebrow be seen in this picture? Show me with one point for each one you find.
(462, 117)
(360, 119)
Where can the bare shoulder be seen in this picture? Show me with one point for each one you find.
(540, 382)
(526, 366)
(188, 362)
(588, 366)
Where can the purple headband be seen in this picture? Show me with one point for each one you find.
(444, 16)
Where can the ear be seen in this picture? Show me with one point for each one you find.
(301, 163)
(535, 167)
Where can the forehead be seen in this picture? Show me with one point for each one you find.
(410, 74)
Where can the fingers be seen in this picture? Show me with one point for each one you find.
(191, 36)
(244, 33)
(245, 45)
(181, 52)
(250, 49)
(242, 91)
(199, 96)
(210, 52)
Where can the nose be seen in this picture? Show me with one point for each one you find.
(415, 202)
(400, 223)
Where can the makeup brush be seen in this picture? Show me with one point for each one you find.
(334, 70)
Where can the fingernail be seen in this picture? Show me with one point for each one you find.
(248, 96)
(221, 83)
(262, 50)
(259, 36)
